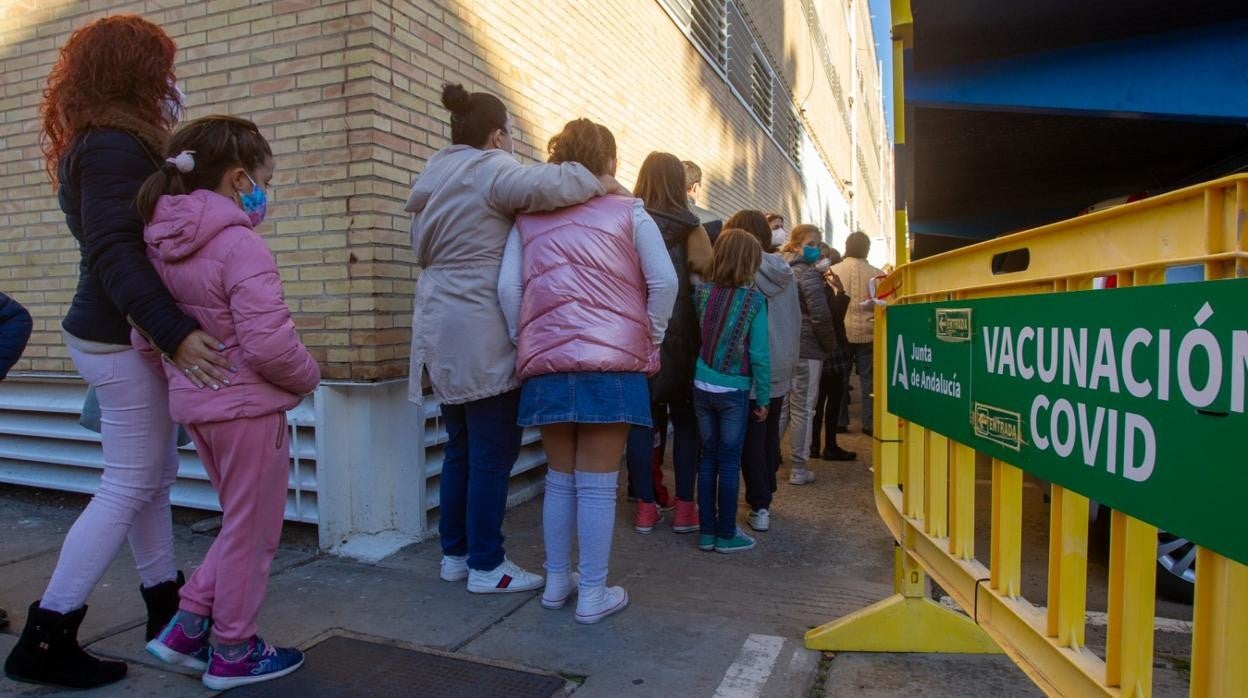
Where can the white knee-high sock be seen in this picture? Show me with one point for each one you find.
(595, 524)
(559, 521)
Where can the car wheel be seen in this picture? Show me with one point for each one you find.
(1176, 567)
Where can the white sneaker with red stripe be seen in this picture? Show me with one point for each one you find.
(504, 579)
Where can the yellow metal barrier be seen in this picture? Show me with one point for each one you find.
(925, 483)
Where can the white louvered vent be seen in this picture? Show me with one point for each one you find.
(42, 445)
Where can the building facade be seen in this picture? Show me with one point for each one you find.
(777, 100)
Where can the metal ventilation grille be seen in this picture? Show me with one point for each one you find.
(42, 445)
(760, 94)
(708, 28)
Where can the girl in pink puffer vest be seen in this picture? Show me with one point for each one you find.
(202, 207)
(586, 292)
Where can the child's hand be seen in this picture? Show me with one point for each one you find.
(760, 414)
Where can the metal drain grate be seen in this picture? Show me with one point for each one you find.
(343, 666)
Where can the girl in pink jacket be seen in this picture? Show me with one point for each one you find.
(201, 209)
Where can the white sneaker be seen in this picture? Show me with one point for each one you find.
(504, 579)
(596, 604)
(759, 520)
(454, 568)
(801, 477)
(559, 587)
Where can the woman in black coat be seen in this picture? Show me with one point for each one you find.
(661, 185)
(108, 107)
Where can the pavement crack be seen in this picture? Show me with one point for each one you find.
(456, 648)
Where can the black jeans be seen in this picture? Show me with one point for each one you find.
(640, 450)
(760, 457)
(827, 410)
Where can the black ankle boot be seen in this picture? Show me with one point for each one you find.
(48, 652)
(162, 603)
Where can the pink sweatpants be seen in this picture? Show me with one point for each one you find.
(248, 462)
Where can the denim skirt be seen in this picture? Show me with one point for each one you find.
(585, 398)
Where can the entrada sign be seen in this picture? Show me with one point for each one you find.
(1132, 397)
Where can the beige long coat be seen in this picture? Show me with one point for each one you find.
(464, 203)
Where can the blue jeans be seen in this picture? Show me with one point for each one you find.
(684, 452)
(721, 424)
(482, 447)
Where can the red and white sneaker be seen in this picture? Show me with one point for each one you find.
(507, 578)
(686, 520)
(646, 517)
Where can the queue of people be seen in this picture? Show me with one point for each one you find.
(598, 315)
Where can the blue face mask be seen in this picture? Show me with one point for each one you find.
(255, 203)
(810, 254)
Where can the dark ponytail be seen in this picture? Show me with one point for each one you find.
(215, 144)
(474, 116)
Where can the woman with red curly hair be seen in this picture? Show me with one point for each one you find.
(107, 110)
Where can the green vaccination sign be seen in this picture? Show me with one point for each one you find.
(1133, 397)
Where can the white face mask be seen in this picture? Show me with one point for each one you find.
(172, 107)
(823, 265)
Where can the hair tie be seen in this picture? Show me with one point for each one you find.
(184, 161)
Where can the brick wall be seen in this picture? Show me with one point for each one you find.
(347, 93)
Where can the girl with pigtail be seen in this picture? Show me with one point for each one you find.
(202, 208)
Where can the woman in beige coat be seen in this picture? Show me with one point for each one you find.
(464, 204)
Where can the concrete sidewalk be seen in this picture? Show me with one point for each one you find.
(700, 624)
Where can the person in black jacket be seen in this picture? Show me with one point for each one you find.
(661, 186)
(835, 368)
(108, 107)
(15, 326)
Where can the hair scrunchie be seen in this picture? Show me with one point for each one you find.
(183, 161)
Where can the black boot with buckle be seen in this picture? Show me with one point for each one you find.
(48, 652)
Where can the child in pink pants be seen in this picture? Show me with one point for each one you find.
(201, 209)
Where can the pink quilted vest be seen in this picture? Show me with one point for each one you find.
(584, 306)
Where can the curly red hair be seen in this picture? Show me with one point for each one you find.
(120, 63)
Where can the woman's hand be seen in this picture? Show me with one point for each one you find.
(834, 281)
(613, 186)
(199, 357)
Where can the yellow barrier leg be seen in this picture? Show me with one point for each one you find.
(1068, 567)
(936, 484)
(962, 502)
(1007, 528)
(915, 446)
(1132, 605)
(907, 621)
(1220, 637)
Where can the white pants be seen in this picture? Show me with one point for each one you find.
(801, 410)
(132, 502)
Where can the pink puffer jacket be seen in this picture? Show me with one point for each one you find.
(222, 274)
(584, 306)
